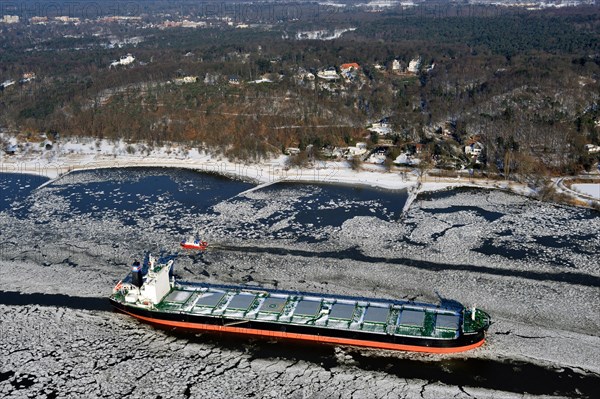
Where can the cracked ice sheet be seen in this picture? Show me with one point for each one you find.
(72, 354)
(90, 255)
(452, 228)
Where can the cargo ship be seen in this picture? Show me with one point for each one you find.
(151, 294)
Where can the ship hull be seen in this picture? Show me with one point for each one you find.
(316, 334)
(194, 246)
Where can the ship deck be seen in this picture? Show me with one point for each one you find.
(327, 312)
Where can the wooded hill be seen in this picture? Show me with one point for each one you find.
(525, 78)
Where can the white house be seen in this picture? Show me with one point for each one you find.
(377, 159)
(10, 19)
(414, 65)
(186, 79)
(127, 59)
(357, 150)
(474, 150)
(396, 66)
(124, 60)
(382, 128)
(592, 148)
(406, 159)
(328, 74)
(7, 83)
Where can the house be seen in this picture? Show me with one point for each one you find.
(377, 158)
(591, 148)
(6, 84)
(186, 79)
(406, 159)
(383, 127)
(396, 66)
(269, 78)
(234, 80)
(378, 66)
(38, 20)
(66, 19)
(211, 78)
(414, 65)
(357, 150)
(10, 19)
(349, 67)
(28, 76)
(474, 150)
(418, 148)
(124, 60)
(328, 74)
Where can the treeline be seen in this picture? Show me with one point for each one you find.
(529, 79)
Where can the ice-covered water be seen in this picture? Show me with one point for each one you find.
(306, 212)
(15, 187)
(532, 265)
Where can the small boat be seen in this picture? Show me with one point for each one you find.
(194, 243)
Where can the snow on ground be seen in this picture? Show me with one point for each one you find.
(589, 189)
(531, 265)
(586, 194)
(93, 154)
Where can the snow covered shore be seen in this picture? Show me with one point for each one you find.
(89, 155)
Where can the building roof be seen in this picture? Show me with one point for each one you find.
(350, 65)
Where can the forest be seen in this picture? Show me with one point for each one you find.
(522, 83)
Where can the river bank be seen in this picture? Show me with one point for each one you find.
(261, 173)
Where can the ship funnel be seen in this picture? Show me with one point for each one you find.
(136, 274)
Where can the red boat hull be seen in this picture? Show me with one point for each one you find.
(200, 247)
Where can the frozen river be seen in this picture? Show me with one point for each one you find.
(533, 266)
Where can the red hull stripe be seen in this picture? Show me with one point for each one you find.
(305, 337)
